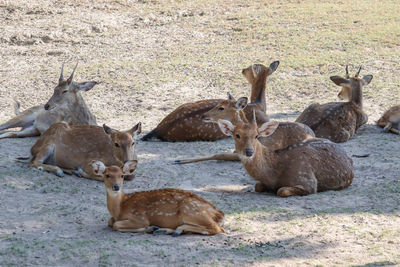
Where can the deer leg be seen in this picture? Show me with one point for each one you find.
(134, 226)
(395, 131)
(220, 156)
(212, 229)
(164, 231)
(111, 222)
(26, 132)
(260, 187)
(41, 157)
(387, 128)
(288, 191)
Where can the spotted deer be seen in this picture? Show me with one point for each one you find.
(162, 211)
(66, 104)
(307, 167)
(72, 148)
(232, 110)
(390, 120)
(338, 121)
(185, 123)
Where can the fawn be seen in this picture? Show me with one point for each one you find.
(162, 211)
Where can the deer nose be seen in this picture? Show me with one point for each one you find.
(46, 107)
(249, 152)
(116, 187)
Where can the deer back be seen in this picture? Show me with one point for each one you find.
(186, 124)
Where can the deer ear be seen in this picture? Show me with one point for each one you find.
(129, 167)
(272, 67)
(241, 103)
(86, 86)
(98, 167)
(230, 97)
(340, 81)
(268, 128)
(366, 79)
(226, 127)
(108, 130)
(136, 130)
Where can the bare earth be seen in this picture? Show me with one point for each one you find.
(150, 57)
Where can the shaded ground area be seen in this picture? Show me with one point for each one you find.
(150, 57)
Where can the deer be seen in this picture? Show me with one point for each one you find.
(286, 134)
(390, 120)
(338, 121)
(71, 149)
(185, 122)
(307, 167)
(162, 211)
(66, 104)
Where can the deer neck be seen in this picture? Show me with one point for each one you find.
(114, 201)
(258, 91)
(356, 94)
(262, 165)
(80, 111)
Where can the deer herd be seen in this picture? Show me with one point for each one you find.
(286, 158)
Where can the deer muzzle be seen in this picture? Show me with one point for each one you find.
(249, 152)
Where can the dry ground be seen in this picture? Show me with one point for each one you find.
(150, 57)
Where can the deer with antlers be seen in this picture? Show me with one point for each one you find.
(66, 104)
(71, 149)
(338, 121)
(303, 168)
(163, 211)
(232, 110)
(185, 123)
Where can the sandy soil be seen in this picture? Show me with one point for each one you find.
(150, 57)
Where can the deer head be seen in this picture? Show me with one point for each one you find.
(113, 175)
(345, 93)
(67, 91)
(245, 134)
(123, 142)
(258, 71)
(225, 110)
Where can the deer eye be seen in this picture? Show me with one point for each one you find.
(257, 136)
(133, 143)
(237, 136)
(63, 92)
(116, 145)
(107, 176)
(221, 108)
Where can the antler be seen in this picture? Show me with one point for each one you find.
(347, 72)
(61, 75)
(72, 74)
(254, 117)
(242, 116)
(358, 72)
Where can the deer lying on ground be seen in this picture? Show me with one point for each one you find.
(185, 122)
(303, 168)
(73, 148)
(66, 104)
(286, 134)
(163, 211)
(390, 120)
(338, 121)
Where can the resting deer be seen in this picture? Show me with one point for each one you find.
(66, 104)
(338, 121)
(166, 211)
(286, 134)
(185, 122)
(73, 148)
(303, 168)
(390, 120)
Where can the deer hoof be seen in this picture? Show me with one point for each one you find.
(40, 168)
(60, 173)
(160, 232)
(176, 234)
(154, 228)
(178, 161)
